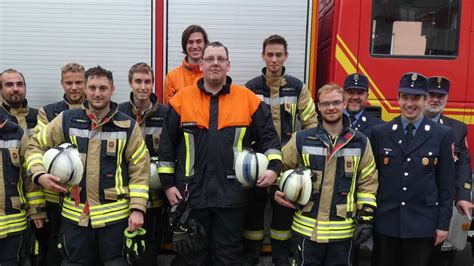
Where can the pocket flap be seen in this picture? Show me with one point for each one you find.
(16, 203)
(428, 152)
(431, 201)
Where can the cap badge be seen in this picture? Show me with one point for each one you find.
(414, 76)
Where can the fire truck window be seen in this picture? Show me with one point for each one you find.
(415, 28)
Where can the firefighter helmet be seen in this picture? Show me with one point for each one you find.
(297, 185)
(249, 166)
(155, 182)
(64, 162)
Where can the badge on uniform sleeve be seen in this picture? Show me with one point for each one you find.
(467, 186)
(386, 161)
(425, 161)
(435, 161)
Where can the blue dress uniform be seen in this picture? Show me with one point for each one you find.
(362, 121)
(445, 255)
(416, 185)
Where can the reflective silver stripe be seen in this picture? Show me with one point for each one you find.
(166, 164)
(5, 144)
(272, 151)
(85, 133)
(348, 152)
(314, 150)
(109, 217)
(152, 130)
(279, 100)
(189, 162)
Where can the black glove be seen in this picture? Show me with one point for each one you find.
(362, 233)
(134, 244)
(189, 237)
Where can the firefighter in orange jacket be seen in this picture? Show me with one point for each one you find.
(113, 192)
(193, 41)
(15, 203)
(205, 125)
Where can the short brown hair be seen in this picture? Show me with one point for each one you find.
(217, 44)
(190, 30)
(140, 68)
(11, 70)
(72, 67)
(330, 87)
(275, 39)
(100, 72)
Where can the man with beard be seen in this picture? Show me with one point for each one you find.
(149, 114)
(356, 87)
(15, 108)
(72, 81)
(113, 193)
(193, 41)
(415, 161)
(14, 103)
(205, 127)
(438, 90)
(288, 99)
(344, 185)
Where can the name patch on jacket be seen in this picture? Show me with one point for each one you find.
(189, 124)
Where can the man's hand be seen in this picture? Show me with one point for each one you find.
(173, 195)
(280, 199)
(440, 236)
(464, 208)
(51, 182)
(267, 178)
(135, 220)
(39, 223)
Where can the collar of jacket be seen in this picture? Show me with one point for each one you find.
(73, 105)
(225, 89)
(13, 111)
(346, 125)
(274, 81)
(138, 113)
(191, 67)
(109, 116)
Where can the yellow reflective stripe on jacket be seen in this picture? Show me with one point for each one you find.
(73, 140)
(325, 230)
(280, 234)
(118, 171)
(51, 196)
(366, 198)
(166, 167)
(12, 223)
(306, 160)
(35, 158)
(104, 213)
(350, 195)
(41, 136)
(39, 126)
(293, 108)
(189, 164)
(139, 153)
(273, 154)
(368, 170)
(309, 109)
(253, 234)
(36, 197)
(139, 191)
(239, 137)
(70, 211)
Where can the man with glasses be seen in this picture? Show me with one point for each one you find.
(344, 185)
(438, 90)
(415, 161)
(288, 99)
(193, 41)
(203, 127)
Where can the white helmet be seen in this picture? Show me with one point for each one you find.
(297, 185)
(249, 166)
(155, 182)
(64, 162)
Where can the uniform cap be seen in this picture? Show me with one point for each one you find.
(356, 81)
(413, 83)
(438, 84)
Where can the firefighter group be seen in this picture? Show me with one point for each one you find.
(87, 181)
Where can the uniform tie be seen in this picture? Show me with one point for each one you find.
(353, 119)
(409, 135)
